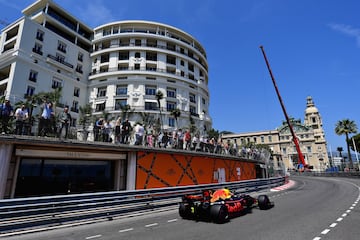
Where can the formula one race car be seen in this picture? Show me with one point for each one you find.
(220, 205)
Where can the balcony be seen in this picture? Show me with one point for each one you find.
(38, 51)
(55, 60)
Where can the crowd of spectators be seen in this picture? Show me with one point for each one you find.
(122, 132)
(182, 139)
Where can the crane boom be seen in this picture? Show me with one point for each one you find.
(295, 140)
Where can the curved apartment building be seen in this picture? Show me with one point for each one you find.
(131, 61)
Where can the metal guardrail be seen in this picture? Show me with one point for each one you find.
(30, 214)
(328, 174)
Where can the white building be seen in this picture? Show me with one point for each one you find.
(113, 65)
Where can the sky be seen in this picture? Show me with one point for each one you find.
(313, 47)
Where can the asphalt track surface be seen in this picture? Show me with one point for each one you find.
(312, 208)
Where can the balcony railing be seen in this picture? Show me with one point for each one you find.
(60, 60)
(160, 47)
(38, 51)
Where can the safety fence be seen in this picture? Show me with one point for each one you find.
(21, 215)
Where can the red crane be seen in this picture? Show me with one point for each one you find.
(295, 139)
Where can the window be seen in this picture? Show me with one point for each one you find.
(150, 90)
(121, 90)
(270, 138)
(38, 49)
(123, 55)
(60, 58)
(100, 107)
(192, 98)
(284, 150)
(56, 83)
(101, 92)
(182, 63)
(192, 110)
(104, 58)
(308, 149)
(40, 35)
(80, 56)
(75, 106)
(61, 47)
(152, 56)
(203, 101)
(254, 139)
(171, 92)
(30, 91)
(170, 106)
(137, 66)
(262, 139)
(151, 106)
(137, 42)
(76, 91)
(171, 122)
(191, 67)
(79, 68)
(120, 103)
(170, 59)
(33, 76)
(313, 119)
(137, 55)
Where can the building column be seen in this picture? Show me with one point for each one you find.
(5, 158)
(131, 171)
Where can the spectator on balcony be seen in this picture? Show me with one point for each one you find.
(139, 134)
(125, 131)
(118, 130)
(21, 115)
(106, 131)
(45, 120)
(187, 140)
(99, 124)
(65, 120)
(165, 139)
(6, 112)
(180, 139)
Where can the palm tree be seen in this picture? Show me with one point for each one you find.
(176, 114)
(346, 127)
(125, 111)
(340, 150)
(159, 95)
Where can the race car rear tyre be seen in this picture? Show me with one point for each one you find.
(184, 211)
(219, 213)
(263, 202)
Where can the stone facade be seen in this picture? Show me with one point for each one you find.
(310, 135)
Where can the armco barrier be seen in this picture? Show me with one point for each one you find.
(328, 174)
(29, 214)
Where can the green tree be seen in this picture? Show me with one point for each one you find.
(125, 111)
(176, 114)
(356, 139)
(346, 126)
(340, 150)
(212, 133)
(85, 117)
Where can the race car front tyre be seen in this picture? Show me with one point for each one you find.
(264, 202)
(219, 213)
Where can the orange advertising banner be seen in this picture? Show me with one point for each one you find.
(155, 170)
